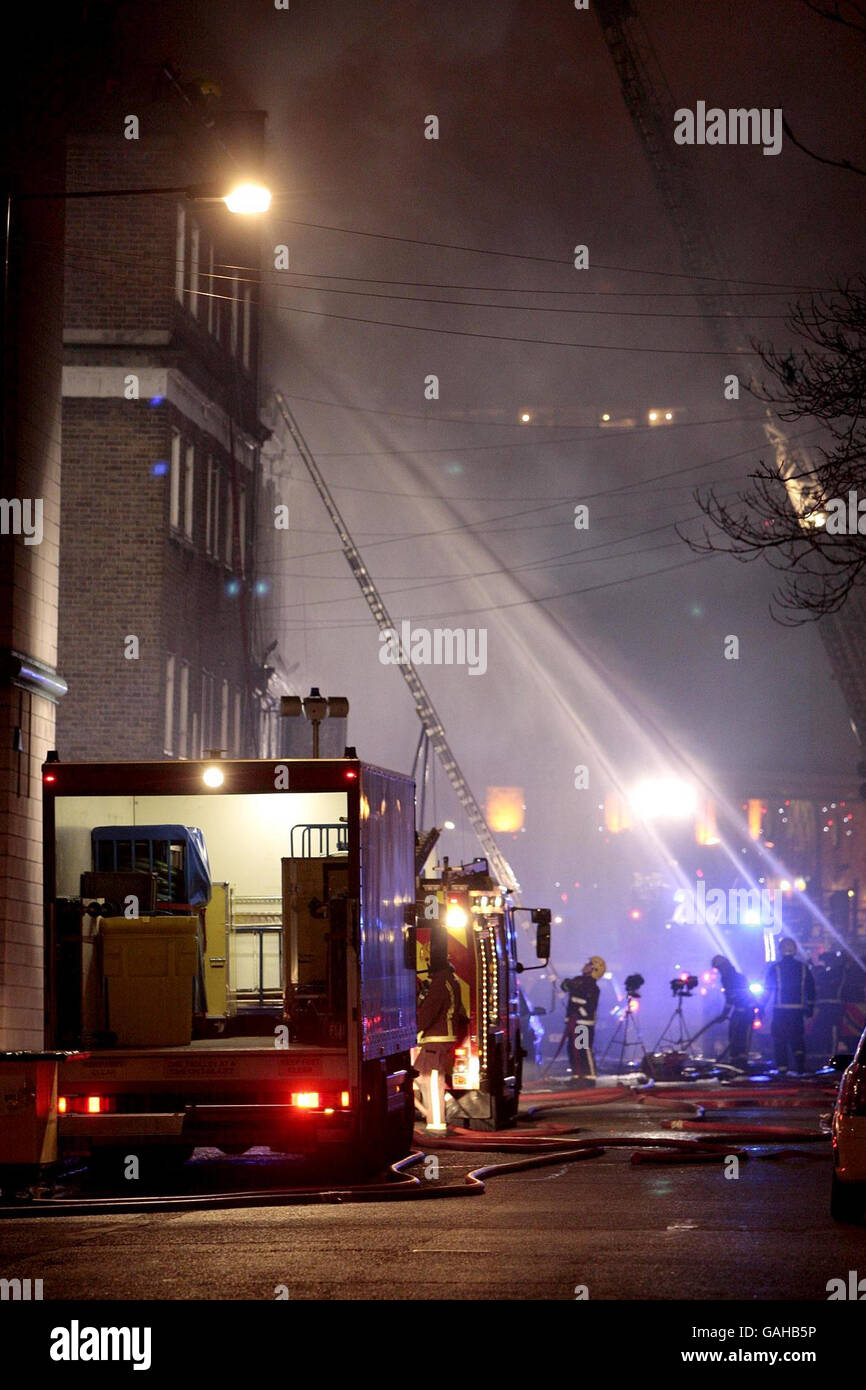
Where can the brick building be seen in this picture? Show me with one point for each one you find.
(163, 625)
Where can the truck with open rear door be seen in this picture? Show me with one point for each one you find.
(227, 964)
(475, 919)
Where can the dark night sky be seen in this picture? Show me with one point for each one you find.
(536, 154)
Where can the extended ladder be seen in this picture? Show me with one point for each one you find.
(430, 720)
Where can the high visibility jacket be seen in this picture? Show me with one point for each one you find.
(583, 999)
(436, 1016)
(789, 984)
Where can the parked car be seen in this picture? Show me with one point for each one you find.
(848, 1195)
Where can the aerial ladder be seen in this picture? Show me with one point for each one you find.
(432, 726)
(651, 105)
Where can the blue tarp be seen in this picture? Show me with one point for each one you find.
(197, 867)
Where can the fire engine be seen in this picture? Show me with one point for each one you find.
(229, 961)
(476, 921)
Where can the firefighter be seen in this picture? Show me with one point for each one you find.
(739, 1011)
(824, 1038)
(580, 1015)
(442, 1020)
(791, 990)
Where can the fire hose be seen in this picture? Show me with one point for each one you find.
(543, 1147)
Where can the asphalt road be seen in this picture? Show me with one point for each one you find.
(622, 1231)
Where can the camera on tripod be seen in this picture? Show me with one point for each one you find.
(684, 986)
(633, 985)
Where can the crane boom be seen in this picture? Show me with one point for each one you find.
(430, 720)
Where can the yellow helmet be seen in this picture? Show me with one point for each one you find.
(597, 967)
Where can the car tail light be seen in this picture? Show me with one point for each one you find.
(852, 1092)
(94, 1105)
(62, 1105)
(344, 1099)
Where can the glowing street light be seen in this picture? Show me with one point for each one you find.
(248, 199)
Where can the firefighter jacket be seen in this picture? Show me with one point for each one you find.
(437, 1014)
(582, 1003)
(789, 984)
(736, 989)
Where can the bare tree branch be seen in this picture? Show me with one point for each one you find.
(820, 158)
(833, 12)
(805, 519)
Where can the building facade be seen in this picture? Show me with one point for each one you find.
(163, 624)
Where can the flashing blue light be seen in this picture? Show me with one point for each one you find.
(233, 588)
(157, 400)
(756, 987)
(262, 587)
(159, 469)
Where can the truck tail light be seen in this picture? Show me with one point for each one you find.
(852, 1092)
(344, 1099)
(85, 1105)
(306, 1100)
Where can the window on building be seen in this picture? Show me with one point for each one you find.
(180, 253)
(168, 738)
(214, 477)
(175, 492)
(230, 525)
(188, 489)
(224, 717)
(183, 712)
(194, 247)
(237, 733)
(246, 325)
(242, 527)
(207, 712)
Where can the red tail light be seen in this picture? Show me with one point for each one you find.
(85, 1105)
(852, 1092)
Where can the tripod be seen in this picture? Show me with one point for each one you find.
(675, 1032)
(627, 1022)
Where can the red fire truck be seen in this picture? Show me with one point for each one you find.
(475, 921)
(227, 962)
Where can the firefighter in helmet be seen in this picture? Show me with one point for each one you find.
(581, 1011)
(790, 990)
(739, 1011)
(442, 1023)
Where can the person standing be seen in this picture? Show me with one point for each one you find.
(790, 989)
(442, 1023)
(581, 1012)
(739, 1011)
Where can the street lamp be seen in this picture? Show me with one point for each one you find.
(247, 199)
